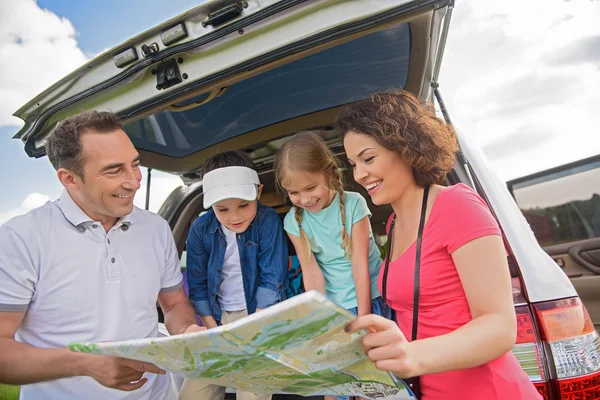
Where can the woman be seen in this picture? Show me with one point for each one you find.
(452, 280)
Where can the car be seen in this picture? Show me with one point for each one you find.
(247, 75)
(562, 207)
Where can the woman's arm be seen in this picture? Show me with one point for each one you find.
(485, 277)
(483, 270)
(360, 265)
(312, 276)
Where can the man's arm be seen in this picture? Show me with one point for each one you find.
(179, 314)
(21, 364)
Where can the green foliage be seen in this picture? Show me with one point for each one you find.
(8, 392)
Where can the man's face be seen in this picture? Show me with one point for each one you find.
(111, 176)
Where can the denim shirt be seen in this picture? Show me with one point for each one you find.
(263, 257)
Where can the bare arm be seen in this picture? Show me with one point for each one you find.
(360, 265)
(311, 272)
(34, 365)
(179, 314)
(21, 364)
(483, 271)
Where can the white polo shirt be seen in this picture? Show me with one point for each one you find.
(77, 282)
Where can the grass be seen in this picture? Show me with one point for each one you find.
(8, 392)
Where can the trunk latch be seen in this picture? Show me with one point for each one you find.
(167, 74)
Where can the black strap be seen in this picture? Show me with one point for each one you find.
(414, 382)
(417, 277)
(418, 265)
(387, 262)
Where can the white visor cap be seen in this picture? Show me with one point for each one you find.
(230, 183)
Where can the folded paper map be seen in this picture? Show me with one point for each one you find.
(297, 346)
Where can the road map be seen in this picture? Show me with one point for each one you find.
(297, 346)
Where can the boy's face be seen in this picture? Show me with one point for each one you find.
(237, 214)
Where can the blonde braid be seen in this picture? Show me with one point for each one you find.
(339, 187)
(303, 235)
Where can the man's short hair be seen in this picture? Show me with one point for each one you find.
(63, 145)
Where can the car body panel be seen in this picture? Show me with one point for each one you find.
(542, 277)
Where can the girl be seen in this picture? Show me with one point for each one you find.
(328, 227)
(446, 272)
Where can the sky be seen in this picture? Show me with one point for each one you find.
(521, 78)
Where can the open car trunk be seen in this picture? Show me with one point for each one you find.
(272, 69)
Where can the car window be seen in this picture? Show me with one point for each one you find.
(339, 75)
(562, 206)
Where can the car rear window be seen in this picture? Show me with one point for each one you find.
(562, 206)
(333, 77)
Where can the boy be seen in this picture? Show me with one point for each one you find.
(237, 255)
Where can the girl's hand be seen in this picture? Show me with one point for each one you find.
(386, 345)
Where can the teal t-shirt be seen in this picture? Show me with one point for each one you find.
(324, 228)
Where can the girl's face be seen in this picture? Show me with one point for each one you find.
(382, 172)
(309, 190)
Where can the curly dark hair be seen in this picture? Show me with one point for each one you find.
(400, 122)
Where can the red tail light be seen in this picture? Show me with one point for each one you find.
(542, 387)
(574, 346)
(529, 351)
(571, 343)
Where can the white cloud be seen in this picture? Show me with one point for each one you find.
(522, 78)
(33, 200)
(37, 48)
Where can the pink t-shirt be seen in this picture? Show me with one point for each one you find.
(458, 216)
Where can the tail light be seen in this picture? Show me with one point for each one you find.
(529, 351)
(572, 343)
(575, 347)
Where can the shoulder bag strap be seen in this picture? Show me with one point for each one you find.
(387, 262)
(414, 383)
(418, 265)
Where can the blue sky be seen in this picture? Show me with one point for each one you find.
(99, 25)
(106, 23)
(521, 78)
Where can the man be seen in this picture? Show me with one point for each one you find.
(88, 267)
